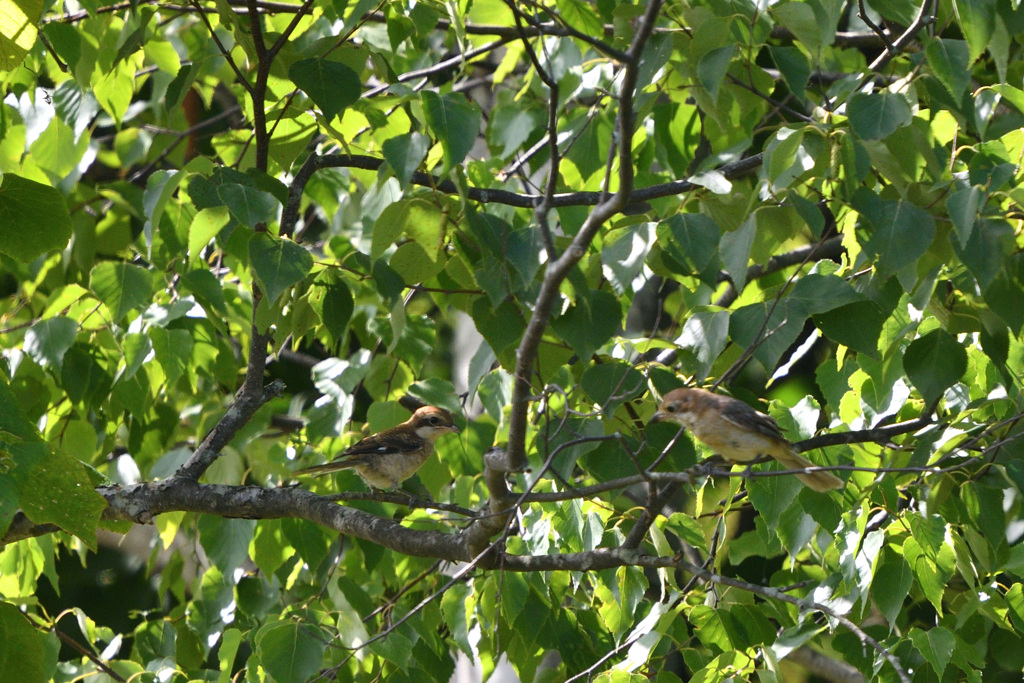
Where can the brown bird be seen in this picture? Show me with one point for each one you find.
(386, 459)
(737, 432)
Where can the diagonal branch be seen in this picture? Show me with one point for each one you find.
(238, 415)
(556, 271)
(923, 18)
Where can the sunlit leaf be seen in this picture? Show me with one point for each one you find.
(332, 85)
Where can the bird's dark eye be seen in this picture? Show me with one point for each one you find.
(434, 420)
(671, 408)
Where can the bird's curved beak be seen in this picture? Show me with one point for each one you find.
(657, 417)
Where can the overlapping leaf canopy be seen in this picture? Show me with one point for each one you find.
(541, 216)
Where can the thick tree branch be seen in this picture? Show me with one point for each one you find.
(141, 503)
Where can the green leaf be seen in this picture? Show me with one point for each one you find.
(935, 645)
(456, 123)
(356, 14)
(135, 348)
(902, 233)
(710, 627)
(47, 341)
(389, 283)
(704, 337)
(332, 301)
(180, 85)
(501, 327)
(788, 156)
(817, 293)
(1015, 603)
(1004, 294)
(874, 116)
(332, 85)
(793, 66)
(248, 205)
(712, 67)
(1011, 95)
(590, 322)
(173, 349)
(857, 325)
(82, 377)
(230, 640)
(985, 506)
(771, 339)
(977, 21)
(771, 496)
(687, 529)
(420, 220)
(75, 106)
(414, 263)
(121, 287)
(455, 606)
(268, 548)
(510, 127)
(799, 18)
(57, 150)
(310, 540)
(734, 249)
(290, 651)
(891, 585)
(623, 255)
(21, 646)
(691, 240)
(34, 218)
(277, 264)
(950, 60)
(226, 541)
(580, 16)
(809, 211)
(207, 289)
(934, 363)
(405, 153)
(19, 22)
(395, 648)
(53, 487)
(159, 188)
(612, 383)
(929, 532)
(963, 208)
(795, 529)
(514, 594)
(205, 226)
(114, 91)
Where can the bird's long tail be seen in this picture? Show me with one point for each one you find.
(326, 468)
(819, 481)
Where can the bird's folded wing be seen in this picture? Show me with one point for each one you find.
(745, 417)
(381, 444)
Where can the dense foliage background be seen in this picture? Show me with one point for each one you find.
(236, 236)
